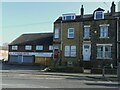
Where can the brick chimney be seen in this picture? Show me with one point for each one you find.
(82, 11)
(113, 8)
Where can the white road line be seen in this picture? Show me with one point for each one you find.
(23, 86)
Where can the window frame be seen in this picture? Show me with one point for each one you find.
(50, 47)
(70, 33)
(72, 16)
(84, 34)
(104, 33)
(103, 51)
(14, 47)
(39, 47)
(69, 51)
(26, 47)
(56, 33)
(95, 15)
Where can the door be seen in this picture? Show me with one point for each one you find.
(13, 58)
(27, 59)
(20, 59)
(86, 52)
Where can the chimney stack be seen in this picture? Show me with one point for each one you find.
(82, 11)
(113, 8)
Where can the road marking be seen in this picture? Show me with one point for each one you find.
(23, 86)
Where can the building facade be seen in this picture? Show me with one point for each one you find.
(86, 40)
(33, 48)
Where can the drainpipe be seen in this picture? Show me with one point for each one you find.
(118, 64)
(61, 44)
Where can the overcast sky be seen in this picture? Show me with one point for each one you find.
(37, 17)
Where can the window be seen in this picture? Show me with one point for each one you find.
(104, 51)
(39, 47)
(28, 47)
(99, 15)
(14, 47)
(56, 34)
(70, 51)
(71, 33)
(56, 47)
(104, 31)
(73, 51)
(68, 16)
(50, 47)
(67, 51)
(86, 32)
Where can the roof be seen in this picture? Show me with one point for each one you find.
(99, 9)
(87, 17)
(33, 38)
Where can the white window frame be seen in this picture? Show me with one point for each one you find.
(39, 47)
(28, 47)
(104, 51)
(15, 47)
(67, 51)
(105, 33)
(85, 36)
(73, 51)
(50, 47)
(56, 34)
(72, 16)
(70, 33)
(70, 51)
(95, 17)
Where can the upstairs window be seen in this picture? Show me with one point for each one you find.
(99, 15)
(104, 31)
(71, 33)
(28, 47)
(68, 17)
(50, 47)
(14, 47)
(39, 47)
(87, 32)
(56, 34)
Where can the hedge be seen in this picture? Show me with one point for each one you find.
(67, 69)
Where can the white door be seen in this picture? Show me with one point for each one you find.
(86, 52)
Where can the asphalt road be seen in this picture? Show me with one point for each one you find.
(12, 80)
(18, 78)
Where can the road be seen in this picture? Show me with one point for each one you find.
(34, 79)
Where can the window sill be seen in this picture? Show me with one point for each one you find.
(102, 58)
(70, 56)
(104, 37)
(99, 18)
(86, 38)
(70, 38)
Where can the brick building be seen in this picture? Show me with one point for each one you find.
(87, 40)
(34, 48)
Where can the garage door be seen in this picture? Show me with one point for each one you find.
(13, 58)
(27, 59)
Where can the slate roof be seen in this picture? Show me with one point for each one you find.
(33, 38)
(87, 17)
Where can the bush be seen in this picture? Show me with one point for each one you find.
(67, 69)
